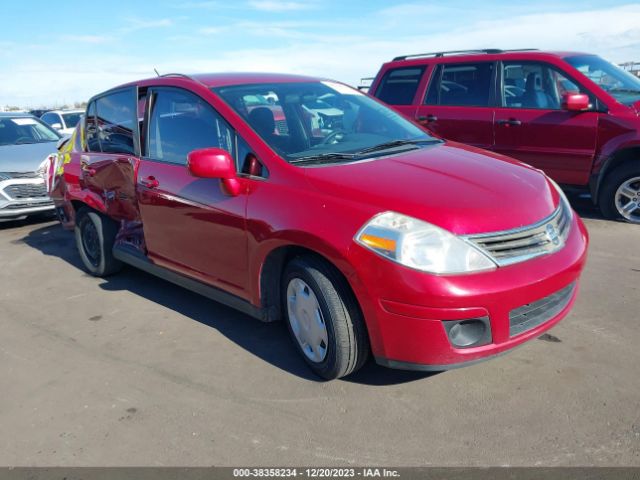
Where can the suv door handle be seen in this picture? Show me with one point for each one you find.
(150, 182)
(512, 121)
(428, 119)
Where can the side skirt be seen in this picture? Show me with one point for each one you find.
(133, 257)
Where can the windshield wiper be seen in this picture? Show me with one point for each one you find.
(398, 143)
(324, 157)
(624, 90)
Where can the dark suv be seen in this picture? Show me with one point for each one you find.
(573, 115)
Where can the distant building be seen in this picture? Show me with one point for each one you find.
(633, 67)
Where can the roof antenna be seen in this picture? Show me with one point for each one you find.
(155, 70)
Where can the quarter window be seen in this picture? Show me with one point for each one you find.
(181, 122)
(91, 129)
(461, 84)
(399, 86)
(115, 119)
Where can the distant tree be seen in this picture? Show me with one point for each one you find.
(80, 104)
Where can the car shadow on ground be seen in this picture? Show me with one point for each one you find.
(270, 342)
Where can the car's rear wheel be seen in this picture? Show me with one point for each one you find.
(323, 317)
(95, 236)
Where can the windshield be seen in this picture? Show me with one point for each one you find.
(322, 120)
(71, 119)
(620, 84)
(21, 130)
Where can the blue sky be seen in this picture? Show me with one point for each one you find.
(66, 51)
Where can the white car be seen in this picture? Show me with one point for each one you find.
(64, 121)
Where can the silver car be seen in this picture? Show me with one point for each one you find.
(25, 143)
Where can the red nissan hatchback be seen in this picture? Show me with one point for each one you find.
(358, 228)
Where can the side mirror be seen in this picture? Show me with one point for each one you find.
(214, 163)
(57, 126)
(575, 102)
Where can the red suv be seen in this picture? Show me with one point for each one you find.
(574, 116)
(361, 230)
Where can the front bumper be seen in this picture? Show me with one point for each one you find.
(20, 197)
(405, 310)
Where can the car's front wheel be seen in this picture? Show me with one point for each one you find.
(323, 318)
(620, 194)
(95, 236)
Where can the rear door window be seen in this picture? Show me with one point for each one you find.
(399, 86)
(462, 84)
(116, 120)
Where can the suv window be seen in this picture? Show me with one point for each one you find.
(115, 118)
(398, 86)
(91, 129)
(461, 84)
(534, 85)
(50, 118)
(181, 122)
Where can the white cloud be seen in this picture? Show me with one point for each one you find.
(210, 31)
(96, 39)
(133, 24)
(346, 52)
(278, 6)
(203, 5)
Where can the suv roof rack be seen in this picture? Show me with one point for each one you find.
(460, 52)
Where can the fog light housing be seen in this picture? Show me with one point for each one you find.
(471, 332)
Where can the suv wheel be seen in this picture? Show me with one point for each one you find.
(323, 318)
(95, 235)
(620, 194)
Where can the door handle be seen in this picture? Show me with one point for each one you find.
(150, 182)
(428, 119)
(511, 122)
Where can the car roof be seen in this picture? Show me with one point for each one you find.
(74, 110)
(490, 54)
(15, 114)
(213, 80)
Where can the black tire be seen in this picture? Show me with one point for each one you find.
(348, 344)
(95, 235)
(607, 196)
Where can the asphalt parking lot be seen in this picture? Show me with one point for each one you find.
(136, 371)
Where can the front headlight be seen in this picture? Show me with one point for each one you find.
(420, 245)
(564, 201)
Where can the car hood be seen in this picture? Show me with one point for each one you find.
(636, 107)
(26, 157)
(462, 189)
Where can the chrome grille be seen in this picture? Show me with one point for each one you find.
(21, 174)
(532, 314)
(21, 191)
(23, 205)
(524, 243)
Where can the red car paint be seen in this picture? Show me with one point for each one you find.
(195, 227)
(575, 148)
